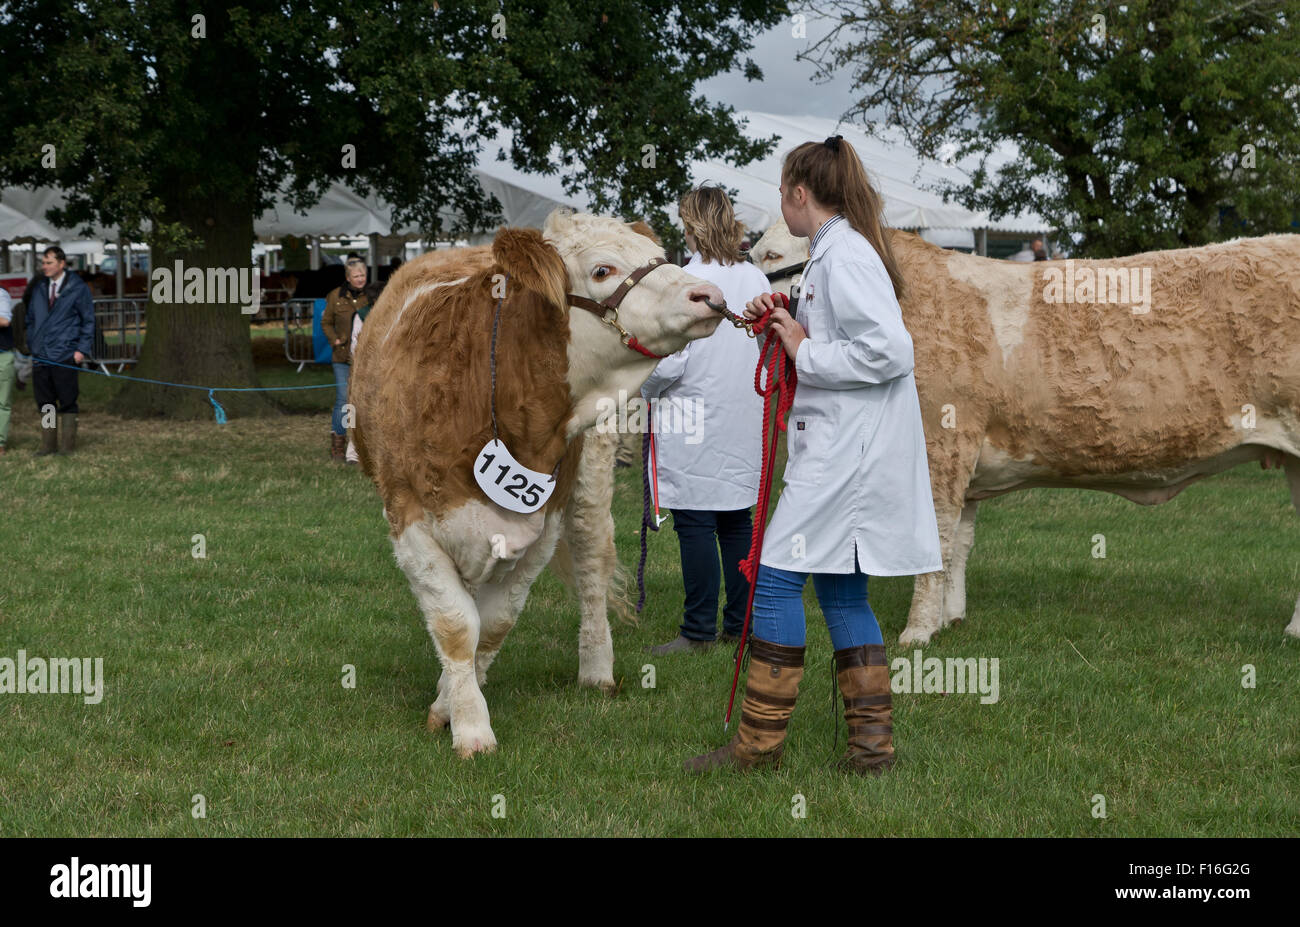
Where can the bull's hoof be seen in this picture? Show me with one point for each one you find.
(914, 636)
(469, 745)
(607, 686)
(438, 718)
(1293, 629)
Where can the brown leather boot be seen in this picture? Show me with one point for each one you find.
(67, 433)
(338, 446)
(50, 439)
(771, 687)
(863, 674)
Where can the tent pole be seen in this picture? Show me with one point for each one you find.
(373, 255)
(982, 242)
(122, 257)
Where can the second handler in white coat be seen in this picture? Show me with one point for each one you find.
(708, 423)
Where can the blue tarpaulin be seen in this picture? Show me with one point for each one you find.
(321, 345)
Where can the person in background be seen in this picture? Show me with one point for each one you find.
(372, 292)
(6, 365)
(60, 330)
(1040, 253)
(708, 474)
(341, 306)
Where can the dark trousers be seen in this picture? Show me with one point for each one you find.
(56, 386)
(700, 535)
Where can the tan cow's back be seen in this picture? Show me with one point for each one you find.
(1093, 387)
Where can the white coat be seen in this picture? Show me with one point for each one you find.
(709, 431)
(857, 479)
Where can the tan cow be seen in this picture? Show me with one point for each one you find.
(1136, 376)
(421, 387)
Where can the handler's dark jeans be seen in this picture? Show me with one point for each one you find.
(56, 386)
(700, 534)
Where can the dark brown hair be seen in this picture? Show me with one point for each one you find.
(708, 215)
(834, 175)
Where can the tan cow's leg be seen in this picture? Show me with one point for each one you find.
(954, 589)
(589, 534)
(453, 622)
(926, 616)
(1293, 478)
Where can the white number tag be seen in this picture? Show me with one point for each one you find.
(509, 483)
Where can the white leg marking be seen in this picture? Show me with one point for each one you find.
(954, 591)
(453, 622)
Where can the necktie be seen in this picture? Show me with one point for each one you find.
(54, 293)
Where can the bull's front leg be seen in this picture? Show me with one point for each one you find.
(453, 622)
(589, 534)
(500, 602)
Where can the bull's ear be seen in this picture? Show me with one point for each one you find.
(642, 228)
(532, 264)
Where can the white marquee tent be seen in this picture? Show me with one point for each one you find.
(905, 180)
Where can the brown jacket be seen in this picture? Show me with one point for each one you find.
(336, 321)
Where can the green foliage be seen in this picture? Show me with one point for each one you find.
(1136, 122)
(151, 104)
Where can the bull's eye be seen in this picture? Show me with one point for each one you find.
(601, 272)
(771, 256)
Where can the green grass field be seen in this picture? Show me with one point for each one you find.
(1119, 677)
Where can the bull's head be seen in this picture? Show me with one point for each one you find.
(589, 256)
(777, 250)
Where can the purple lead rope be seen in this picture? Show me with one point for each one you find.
(647, 518)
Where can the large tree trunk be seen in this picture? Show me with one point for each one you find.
(205, 344)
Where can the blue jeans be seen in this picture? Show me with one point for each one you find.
(341, 374)
(700, 534)
(778, 607)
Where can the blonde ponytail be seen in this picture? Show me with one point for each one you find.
(833, 173)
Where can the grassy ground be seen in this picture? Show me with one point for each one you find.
(1119, 677)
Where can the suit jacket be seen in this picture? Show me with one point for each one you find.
(55, 332)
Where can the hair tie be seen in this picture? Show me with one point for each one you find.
(833, 143)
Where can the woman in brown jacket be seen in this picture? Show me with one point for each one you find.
(336, 322)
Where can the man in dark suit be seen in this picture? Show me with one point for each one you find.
(60, 329)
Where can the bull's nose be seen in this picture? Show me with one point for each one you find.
(705, 293)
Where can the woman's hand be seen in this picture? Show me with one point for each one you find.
(786, 328)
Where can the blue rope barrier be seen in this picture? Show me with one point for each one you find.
(218, 411)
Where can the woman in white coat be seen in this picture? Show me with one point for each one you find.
(708, 424)
(856, 499)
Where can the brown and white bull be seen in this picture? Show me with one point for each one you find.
(1136, 376)
(421, 388)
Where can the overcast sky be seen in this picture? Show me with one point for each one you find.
(788, 85)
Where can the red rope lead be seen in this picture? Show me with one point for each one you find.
(781, 383)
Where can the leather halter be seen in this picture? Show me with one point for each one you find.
(786, 272)
(607, 309)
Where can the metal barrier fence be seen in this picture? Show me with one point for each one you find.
(119, 331)
(298, 345)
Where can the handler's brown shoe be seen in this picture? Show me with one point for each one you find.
(771, 687)
(863, 674)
